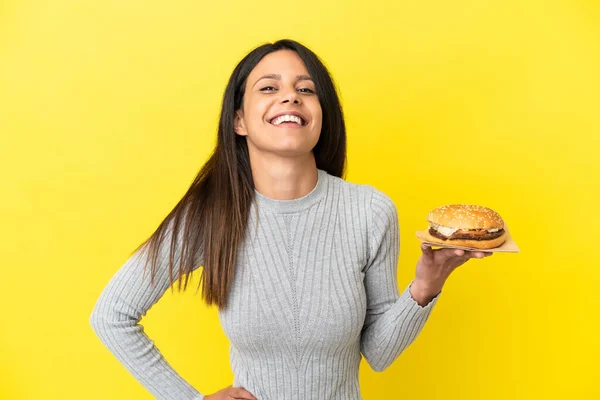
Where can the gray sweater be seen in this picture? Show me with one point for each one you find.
(315, 287)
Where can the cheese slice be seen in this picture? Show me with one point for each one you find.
(449, 231)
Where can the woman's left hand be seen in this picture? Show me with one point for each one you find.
(434, 267)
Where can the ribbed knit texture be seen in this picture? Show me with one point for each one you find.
(315, 287)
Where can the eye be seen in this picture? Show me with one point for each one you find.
(266, 87)
(307, 90)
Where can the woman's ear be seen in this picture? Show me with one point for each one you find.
(238, 124)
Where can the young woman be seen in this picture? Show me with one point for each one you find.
(301, 264)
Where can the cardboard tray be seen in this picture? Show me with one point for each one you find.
(509, 246)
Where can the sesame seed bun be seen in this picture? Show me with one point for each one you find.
(465, 216)
(466, 225)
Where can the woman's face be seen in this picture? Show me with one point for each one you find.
(281, 113)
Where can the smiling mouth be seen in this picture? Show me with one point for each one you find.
(288, 120)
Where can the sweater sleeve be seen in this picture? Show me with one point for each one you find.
(393, 320)
(116, 316)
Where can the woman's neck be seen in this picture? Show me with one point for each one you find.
(285, 178)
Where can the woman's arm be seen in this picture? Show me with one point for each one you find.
(115, 319)
(393, 320)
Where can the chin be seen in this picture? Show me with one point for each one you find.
(284, 147)
(294, 147)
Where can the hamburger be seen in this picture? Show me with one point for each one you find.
(466, 225)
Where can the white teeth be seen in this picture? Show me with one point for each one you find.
(287, 118)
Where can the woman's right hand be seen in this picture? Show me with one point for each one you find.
(231, 393)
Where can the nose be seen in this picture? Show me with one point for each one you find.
(290, 96)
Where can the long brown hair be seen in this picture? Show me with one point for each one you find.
(212, 215)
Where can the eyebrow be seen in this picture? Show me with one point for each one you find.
(278, 78)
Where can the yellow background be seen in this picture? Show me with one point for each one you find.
(108, 109)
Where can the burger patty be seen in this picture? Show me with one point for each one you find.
(487, 236)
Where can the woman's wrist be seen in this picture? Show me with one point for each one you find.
(423, 292)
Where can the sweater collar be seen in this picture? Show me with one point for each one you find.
(295, 205)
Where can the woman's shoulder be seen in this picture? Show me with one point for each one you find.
(363, 194)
